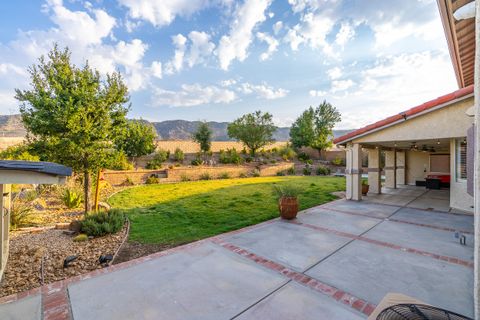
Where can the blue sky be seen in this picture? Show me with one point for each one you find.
(219, 59)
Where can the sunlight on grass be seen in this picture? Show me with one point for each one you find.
(174, 214)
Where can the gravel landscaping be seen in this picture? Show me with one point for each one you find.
(27, 250)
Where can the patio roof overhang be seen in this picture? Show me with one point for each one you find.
(427, 107)
(460, 36)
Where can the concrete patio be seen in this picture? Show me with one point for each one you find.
(335, 261)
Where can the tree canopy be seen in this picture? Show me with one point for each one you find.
(203, 136)
(314, 127)
(137, 140)
(72, 114)
(255, 130)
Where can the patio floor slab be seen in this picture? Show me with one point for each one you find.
(206, 282)
(370, 209)
(427, 203)
(29, 308)
(390, 199)
(289, 244)
(338, 221)
(426, 239)
(370, 272)
(438, 219)
(294, 301)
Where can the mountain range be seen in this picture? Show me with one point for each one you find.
(12, 126)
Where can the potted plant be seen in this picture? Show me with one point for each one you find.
(287, 200)
(365, 187)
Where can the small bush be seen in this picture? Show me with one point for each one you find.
(179, 155)
(280, 173)
(18, 152)
(302, 156)
(287, 190)
(152, 180)
(307, 171)
(71, 199)
(28, 195)
(242, 175)
(171, 166)
(158, 159)
(196, 162)
(184, 178)
(273, 161)
(128, 182)
(20, 213)
(248, 159)
(256, 173)
(230, 156)
(291, 170)
(80, 238)
(337, 161)
(323, 171)
(119, 161)
(102, 223)
(205, 176)
(177, 164)
(287, 153)
(309, 161)
(224, 175)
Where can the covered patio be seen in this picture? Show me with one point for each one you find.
(335, 261)
(428, 146)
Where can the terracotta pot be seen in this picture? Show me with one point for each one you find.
(365, 188)
(288, 207)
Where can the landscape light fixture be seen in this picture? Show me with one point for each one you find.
(465, 12)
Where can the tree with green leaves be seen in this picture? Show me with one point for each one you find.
(72, 114)
(314, 127)
(255, 130)
(138, 139)
(203, 136)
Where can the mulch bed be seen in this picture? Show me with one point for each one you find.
(27, 250)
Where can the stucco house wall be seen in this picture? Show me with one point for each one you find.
(418, 165)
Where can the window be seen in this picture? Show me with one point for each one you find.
(461, 159)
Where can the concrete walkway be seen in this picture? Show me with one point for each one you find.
(335, 261)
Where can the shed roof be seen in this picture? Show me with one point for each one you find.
(36, 166)
(428, 106)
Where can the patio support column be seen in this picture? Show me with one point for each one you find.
(4, 224)
(390, 168)
(400, 167)
(353, 172)
(476, 189)
(374, 171)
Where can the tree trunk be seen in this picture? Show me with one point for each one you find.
(86, 191)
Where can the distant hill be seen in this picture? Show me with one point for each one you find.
(12, 126)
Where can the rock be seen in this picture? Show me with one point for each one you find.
(75, 226)
(39, 204)
(62, 225)
(69, 232)
(104, 206)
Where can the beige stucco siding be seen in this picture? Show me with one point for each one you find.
(418, 165)
(459, 198)
(447, 122)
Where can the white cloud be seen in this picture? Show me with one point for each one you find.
(156, 69)
(161, 12)
(334, 73)
(277, 27)
(235, 45)
(341, 85)
(228, 82)
(317, 93)
(262, 91)
(176, 64)
(200, 49)
(345, 34)
(193, 95)
(272, 45)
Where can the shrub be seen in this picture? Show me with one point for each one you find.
(128, 182)
(280, 173)
(273, 161)
(28, 195)
(337, 161)
(302, 156)
(287, 190)
(152, 180)
(196, 162)
(323, 171)
(71, 199)
(291, 170)
(80, 238)
(20, 213)
(230, 156)
(309, 161)
(248, 159)
(205, 176)
(242, 175)
(19, 152)
(256, 173)
(224, 175)
(102, 223)
(184, 178)
(287, 153)
(119, 161)
(178, 155)
(158, 159)
(307, 171)
(177, 164)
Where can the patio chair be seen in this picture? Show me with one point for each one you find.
(409, 311)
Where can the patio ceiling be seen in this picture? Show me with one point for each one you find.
(439, 145)
(461, 40)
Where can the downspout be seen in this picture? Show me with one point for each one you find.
(476, 80)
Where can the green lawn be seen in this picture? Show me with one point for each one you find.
(174, 214)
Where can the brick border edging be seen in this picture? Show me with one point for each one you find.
(343, 297)
(388, 245)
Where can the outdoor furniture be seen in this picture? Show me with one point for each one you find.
(437, 181)
(410, 311)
